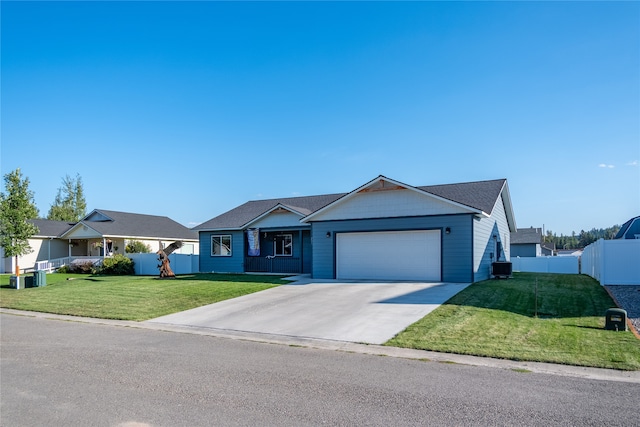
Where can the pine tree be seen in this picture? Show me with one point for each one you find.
(17, 206)
(70, 204)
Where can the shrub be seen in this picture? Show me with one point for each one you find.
(118, 265)
(137, 247)
(82, 267)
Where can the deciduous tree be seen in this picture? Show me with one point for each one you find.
(17, 206)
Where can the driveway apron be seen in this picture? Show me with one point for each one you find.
(356, 312)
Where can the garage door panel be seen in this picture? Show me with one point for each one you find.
(392, 255)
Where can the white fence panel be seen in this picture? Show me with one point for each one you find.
(147, 264)
(547, 264)
(613, 262)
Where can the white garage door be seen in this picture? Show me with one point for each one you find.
(389, 255)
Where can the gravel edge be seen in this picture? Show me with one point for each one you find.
(627, 297)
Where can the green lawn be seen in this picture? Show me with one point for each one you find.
(497, 318)
(129, 297)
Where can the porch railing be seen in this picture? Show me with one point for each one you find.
(53, 264)
(288, 265)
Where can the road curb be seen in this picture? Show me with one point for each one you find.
(371, 349)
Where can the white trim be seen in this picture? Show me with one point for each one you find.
(75, 227)
(263, 215)
(221, 236)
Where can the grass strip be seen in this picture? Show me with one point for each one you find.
(500, 318)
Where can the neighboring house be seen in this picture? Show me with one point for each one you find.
(630, 229)
(102, 233)
(383, 230)
(45, 245)
(548, 249)
(526, 242)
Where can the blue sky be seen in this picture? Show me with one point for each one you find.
(190, 109)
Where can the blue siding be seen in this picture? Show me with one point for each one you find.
(524, 250)
(222, 264)
(457, 255)
(484, 230)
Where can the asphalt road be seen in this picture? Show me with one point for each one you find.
(65, 373)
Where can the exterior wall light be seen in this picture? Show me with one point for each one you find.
(447, 230)
(328, 234)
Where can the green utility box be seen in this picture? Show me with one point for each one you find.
(39, 278)
(615, 319)
(28, 281)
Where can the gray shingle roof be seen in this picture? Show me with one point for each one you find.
(126, 224)
(481, 195)
(245, 213)
(48, 228)
(526, 236)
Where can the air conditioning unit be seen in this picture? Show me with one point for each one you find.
(500, 269)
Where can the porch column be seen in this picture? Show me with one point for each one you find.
(69, 246)
(301, 252)
(104, 247)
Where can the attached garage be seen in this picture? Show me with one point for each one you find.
(389, 255)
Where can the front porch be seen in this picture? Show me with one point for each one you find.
(286, 251)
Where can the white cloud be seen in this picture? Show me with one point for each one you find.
(633, 163)
(603, 165)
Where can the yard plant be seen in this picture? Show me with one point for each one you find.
(504, 319)
(129, 297)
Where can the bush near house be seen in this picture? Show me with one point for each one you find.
(118, 265)
(78, 267)
(137, 247)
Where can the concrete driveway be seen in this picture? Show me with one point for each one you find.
(363, 312)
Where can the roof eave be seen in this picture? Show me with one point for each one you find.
(508, 207)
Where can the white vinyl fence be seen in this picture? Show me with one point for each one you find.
(547, 264)
(613, 262)
(147, 264)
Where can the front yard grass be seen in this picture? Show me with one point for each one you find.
(494, 318)
(497, 318)
(129, 297)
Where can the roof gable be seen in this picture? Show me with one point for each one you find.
(278, 216)
(385, 198)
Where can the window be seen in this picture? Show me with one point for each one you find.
(283, 245)
(221, 245)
